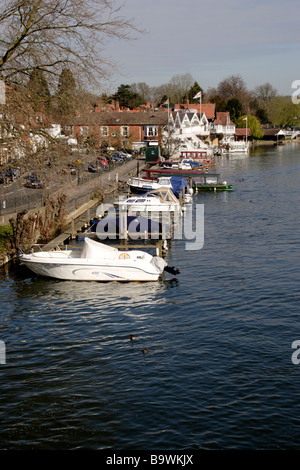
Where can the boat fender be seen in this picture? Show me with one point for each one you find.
(124, 256)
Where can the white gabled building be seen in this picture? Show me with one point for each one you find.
(223, 125)
(186, 130)
(191, 125)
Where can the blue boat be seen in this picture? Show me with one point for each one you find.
(111, 226)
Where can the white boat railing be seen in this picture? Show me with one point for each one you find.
(38, 247)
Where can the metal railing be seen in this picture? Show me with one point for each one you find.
(10, 204)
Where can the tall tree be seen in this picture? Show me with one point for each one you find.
(193, 91)
(38, 90)
(283, 112)
(265, 94)
(213, 97)
(252, 123)
(66, 93)
(51, 33)
(143, 90)
(126, 97)
(234, 106)
(234, 87)
(179, 87)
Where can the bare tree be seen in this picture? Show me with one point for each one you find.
(54, 34)
(143, 90)
(177, 89)
(265, 94)
(42, 38)
(234, 87)
(180, 86)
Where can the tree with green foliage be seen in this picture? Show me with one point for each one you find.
(193, 91)
(66, 93)
(126, 97)
(234, 106)
(283, 112)
(163, 101)
(38, 90)
(219, 101)
(253, 124)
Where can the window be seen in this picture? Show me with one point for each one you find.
(125, 131)
(104, 131)
(84, 131)
(152, 131)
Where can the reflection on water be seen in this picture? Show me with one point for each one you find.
(131, 298)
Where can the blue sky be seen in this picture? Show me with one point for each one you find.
(213, 39)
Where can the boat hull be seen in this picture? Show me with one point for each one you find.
(140, 189)
(86, 271)
(220, 187)
(95, 262)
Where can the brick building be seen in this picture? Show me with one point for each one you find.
(119, 129)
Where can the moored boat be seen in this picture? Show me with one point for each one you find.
(210, 182)
(233, 146)
(142, 185)
(96, 262)
(177, 184)
(160, 200)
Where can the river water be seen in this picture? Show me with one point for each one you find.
(219, 372)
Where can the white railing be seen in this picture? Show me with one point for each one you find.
(192, 131)
(219, 129)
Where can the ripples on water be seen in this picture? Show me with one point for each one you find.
(218, 372)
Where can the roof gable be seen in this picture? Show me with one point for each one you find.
(209, 109)
(223, 119)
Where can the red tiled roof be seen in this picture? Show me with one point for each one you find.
(241, 132)
(223, 118)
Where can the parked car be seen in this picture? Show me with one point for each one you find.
(126, 154)
(95, 168)
(92, 168)
(103, 161)
(33, 181)
(12, 173)
(117, 158)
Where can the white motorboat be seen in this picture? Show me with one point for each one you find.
(160, 200)
(143, 185)
(96, 262)
(176, 183)
(234, 146)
